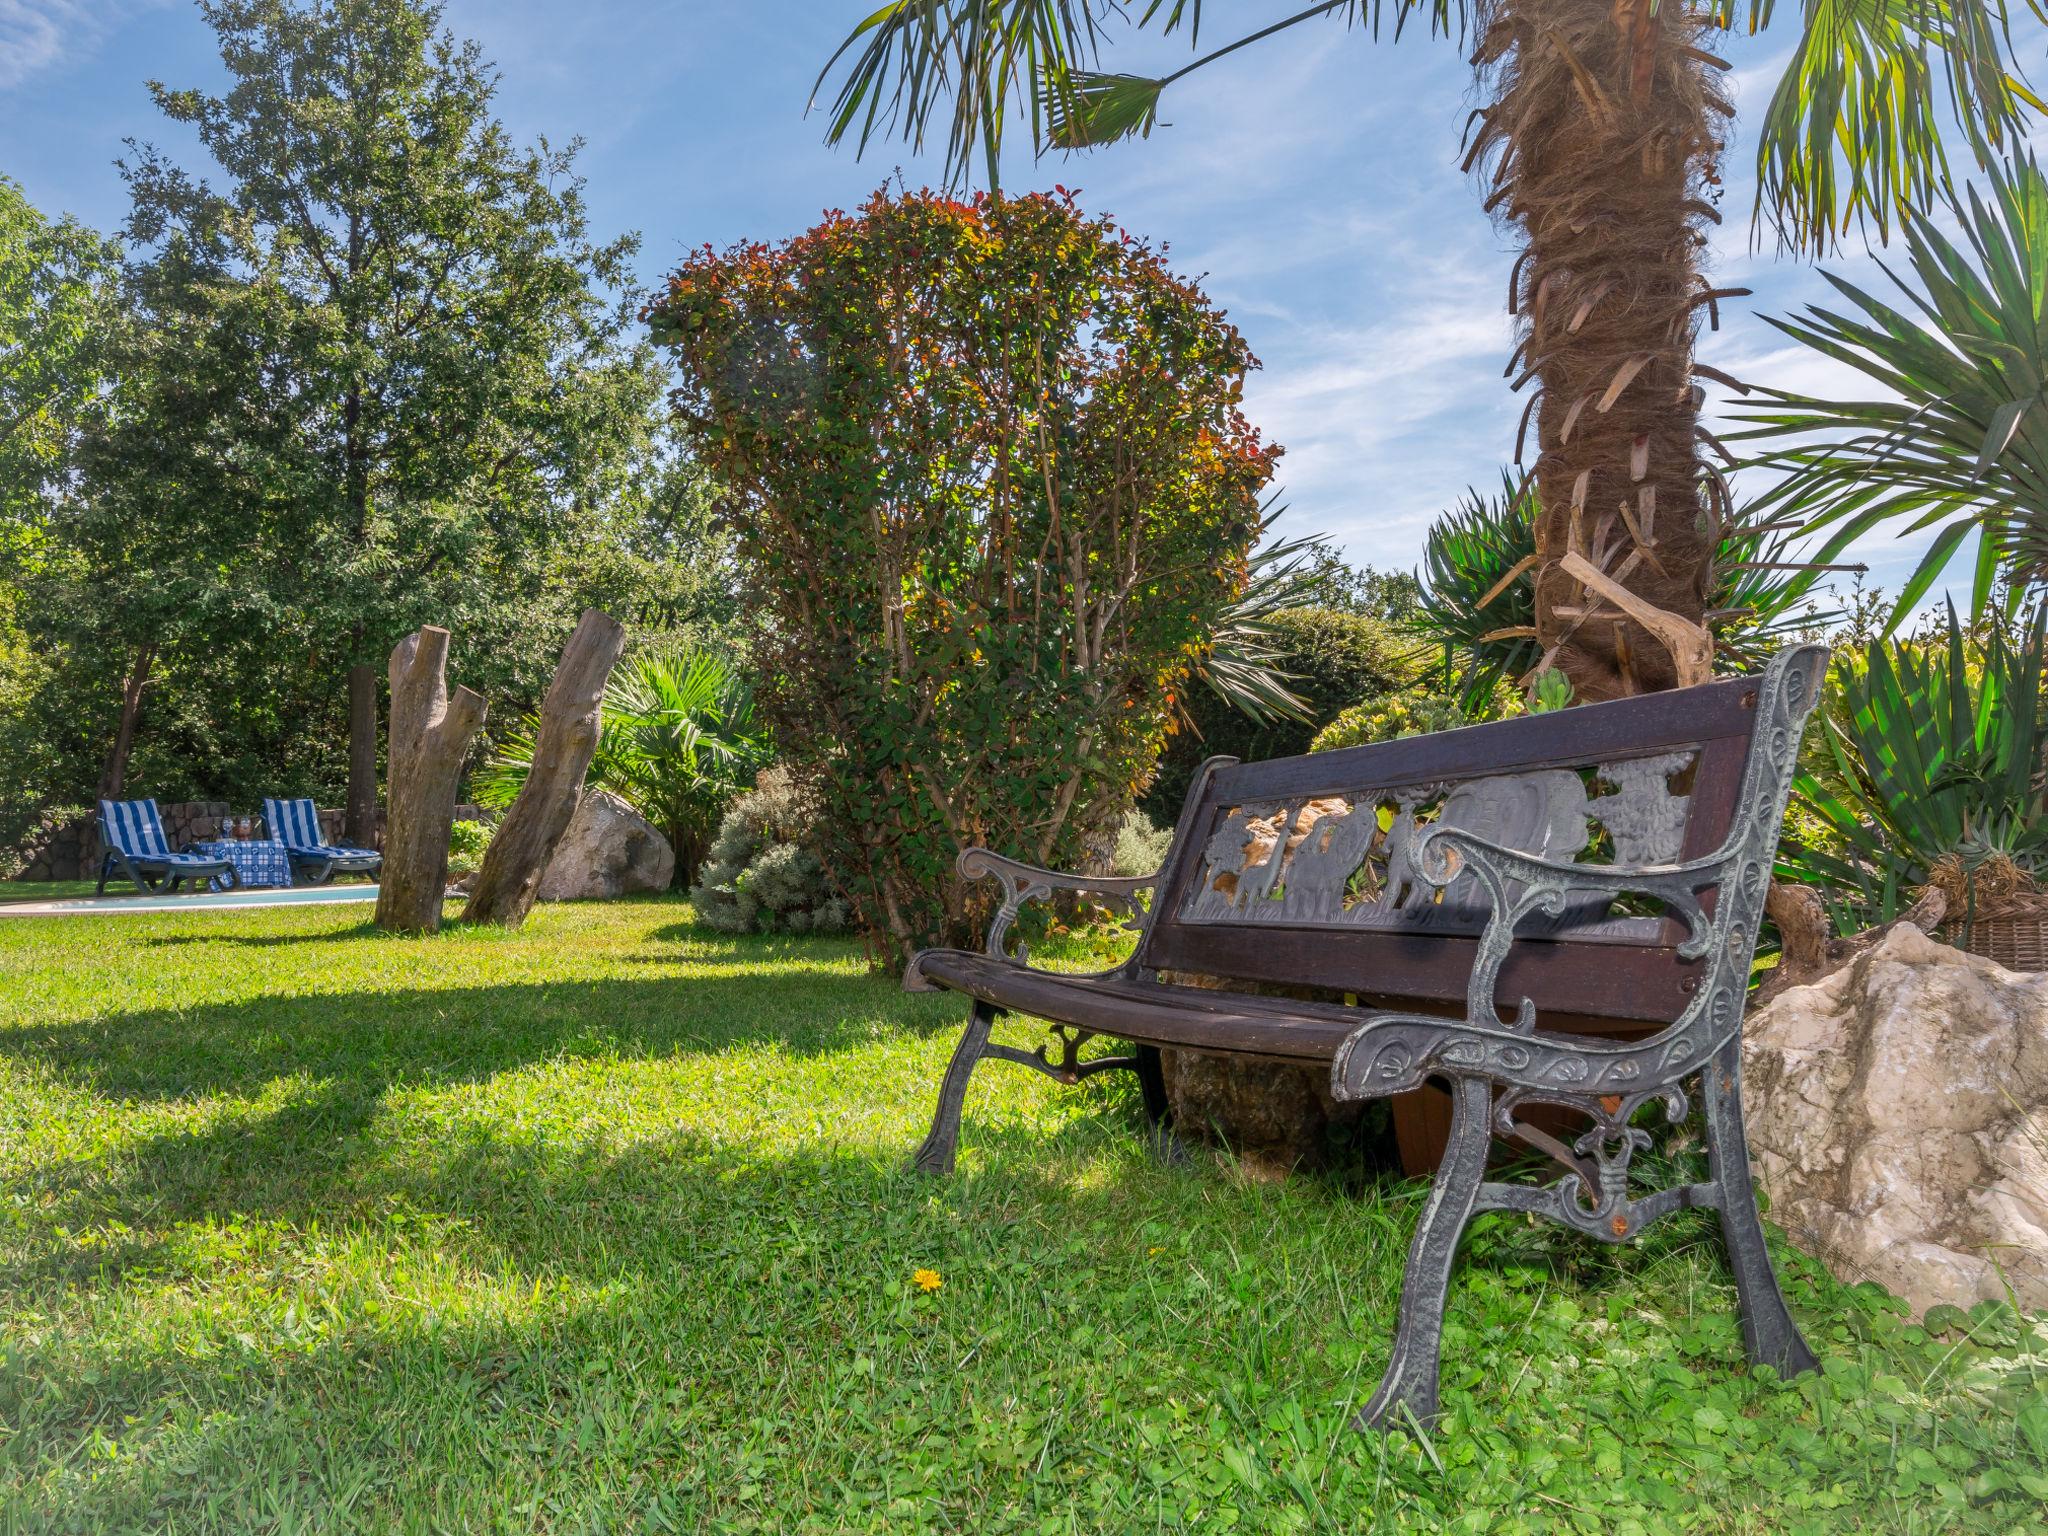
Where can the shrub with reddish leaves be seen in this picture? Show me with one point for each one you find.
(992, 490)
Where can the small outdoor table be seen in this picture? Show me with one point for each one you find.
(255, 863)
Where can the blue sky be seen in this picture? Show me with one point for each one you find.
(1312, 180)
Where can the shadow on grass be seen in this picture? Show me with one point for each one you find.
(363, 930)
(371, 1040)
(593, 1320)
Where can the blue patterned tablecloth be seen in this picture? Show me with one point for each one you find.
(255, 863)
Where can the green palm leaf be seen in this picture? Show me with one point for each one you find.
(1964, 447)
(1854, 129)
(677, 741)
(1934, 748)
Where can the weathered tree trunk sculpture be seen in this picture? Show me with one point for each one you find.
(430, 736)
(570, 718)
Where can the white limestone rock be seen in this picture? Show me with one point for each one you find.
(1898, 1118)
(608, 850)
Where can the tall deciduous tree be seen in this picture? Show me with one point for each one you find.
(59, 298)
(396, 328)
(1601, 140)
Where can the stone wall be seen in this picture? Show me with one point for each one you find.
(72, 852)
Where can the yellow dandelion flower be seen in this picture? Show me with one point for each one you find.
(927, 1280)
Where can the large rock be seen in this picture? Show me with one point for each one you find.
(1898, 1115)
(609, 850)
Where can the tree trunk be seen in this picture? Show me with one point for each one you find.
(430, 736)
(1603, 141)
(360, 813)
(570, 718)
(114, 778)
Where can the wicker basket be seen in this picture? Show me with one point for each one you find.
(2014, 932)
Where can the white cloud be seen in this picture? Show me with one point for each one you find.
(36, 35)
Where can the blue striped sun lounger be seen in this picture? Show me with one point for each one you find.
(296, 824)
(132, 833)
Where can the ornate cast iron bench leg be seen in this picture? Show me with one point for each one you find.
(936, 1154)
(1410, 1382)
(1768, 1333)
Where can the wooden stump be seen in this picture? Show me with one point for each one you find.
(1807, 939)
(570, 718)
(430, 736)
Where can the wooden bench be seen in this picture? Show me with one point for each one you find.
(1555, 913)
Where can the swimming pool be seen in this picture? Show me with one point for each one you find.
(198, 901)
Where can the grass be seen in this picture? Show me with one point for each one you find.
(48, 890)
(602, 1226)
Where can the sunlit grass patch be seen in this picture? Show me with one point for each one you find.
(603, 1225)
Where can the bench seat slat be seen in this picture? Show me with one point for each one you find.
(1147, 1012)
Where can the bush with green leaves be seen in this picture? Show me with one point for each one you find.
(762, 873)
(467, 841)
(1140, 847)
(1329, 657)
(993, 494)
(1391, 716)
(1935, 752)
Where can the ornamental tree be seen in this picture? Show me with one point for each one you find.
(991, 489)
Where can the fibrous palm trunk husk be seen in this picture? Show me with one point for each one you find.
(1602, 143)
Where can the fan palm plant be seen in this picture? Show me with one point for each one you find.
(1961, 444)
(1478, 601)
(1601, 143)
(1245, 662)
(678, 741)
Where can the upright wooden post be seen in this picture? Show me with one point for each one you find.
(430, 736)
(570, 719)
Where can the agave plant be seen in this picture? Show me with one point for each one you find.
(1932, 755)
(678, 741)
(1478, 600)
(1963, 444)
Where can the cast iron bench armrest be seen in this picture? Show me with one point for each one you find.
(1442, 852)
(1027, 882)
(1391, 1052)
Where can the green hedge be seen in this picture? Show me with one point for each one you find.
(1337, 659)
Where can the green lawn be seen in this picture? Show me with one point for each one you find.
(602, 1227)
(12, 891)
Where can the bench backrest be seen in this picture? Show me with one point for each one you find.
(1299, 870)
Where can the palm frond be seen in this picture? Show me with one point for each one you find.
(1479, 598)
(1100, 109)
(990, 58)
(678, 739)
(1243, 662)
(1853, 131)
(1963, 446)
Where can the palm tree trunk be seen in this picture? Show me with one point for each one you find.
(1602, 141)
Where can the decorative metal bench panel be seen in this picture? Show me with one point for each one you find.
(1555, 913)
